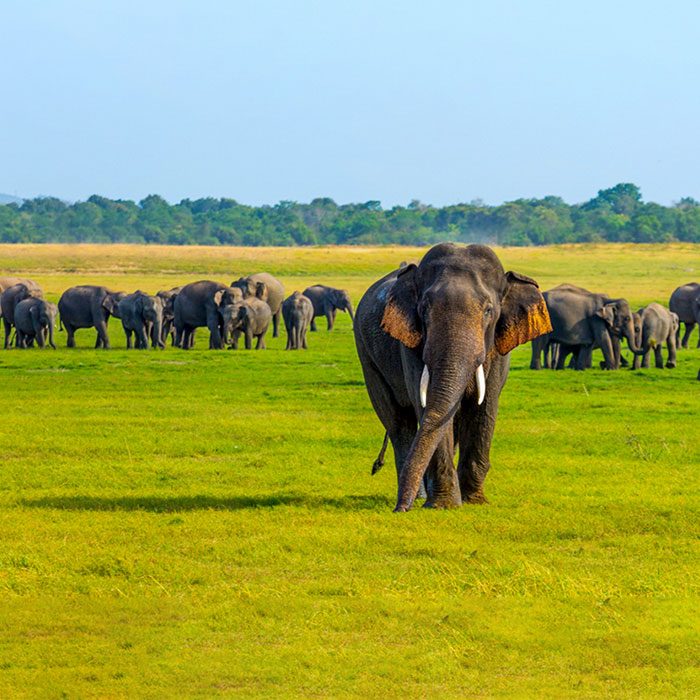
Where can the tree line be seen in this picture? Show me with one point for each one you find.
(617, 214)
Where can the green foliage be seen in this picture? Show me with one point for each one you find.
(617, 214)
(198, 524)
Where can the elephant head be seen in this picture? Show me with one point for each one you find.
(458, 310)
(341, 300)
(619, 318)
(111, 302)
(233, 316)
(168, 298)
(151, 311)
(43, 315)
(227, 296)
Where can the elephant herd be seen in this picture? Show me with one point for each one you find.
(245, 308)
(583, 321)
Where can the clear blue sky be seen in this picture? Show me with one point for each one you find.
(268, 100)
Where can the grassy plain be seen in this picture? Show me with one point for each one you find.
(204, 523)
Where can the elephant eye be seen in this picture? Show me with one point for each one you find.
(488, 312)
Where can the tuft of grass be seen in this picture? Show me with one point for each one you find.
(204, 523)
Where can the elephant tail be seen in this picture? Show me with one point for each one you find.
(60, 323)
(379, 462)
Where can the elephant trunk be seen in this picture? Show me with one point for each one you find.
(157, 334)
(446, 377)
(51, 342)
(628, 332)
(349, 309)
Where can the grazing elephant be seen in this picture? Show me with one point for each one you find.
(658, 326)
(250, 316)
(142, 315)
(583, 320)
(35, 319)
(298, 311)
(327, 301)
(168, 297)
(433, 341)
(9, 300)
(199, 304)
(272, 293)
(685, 301)
(89, 306)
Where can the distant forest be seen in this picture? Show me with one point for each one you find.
(615, 214)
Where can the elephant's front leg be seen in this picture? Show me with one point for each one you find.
(688, 330)
(475, 425)
(102, 337)
(214, 333)
(276, 323)
(248, 339)
(441, 477)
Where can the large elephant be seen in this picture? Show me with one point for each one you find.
(9, 300)
(272, 293)
(142, 316)
(199, 304)
(168, 297)
(249, 316)
(685, 301)
(583, 320)
(89, 306)
(433, 341)
(7, 282)
(298, 311)
(327, 302)
(35, 319)
(658, 326)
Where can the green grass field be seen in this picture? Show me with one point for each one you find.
(183, 524)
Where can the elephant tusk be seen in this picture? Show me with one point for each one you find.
(425, 378)
(480, 384)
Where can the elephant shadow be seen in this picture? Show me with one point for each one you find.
(181, 504)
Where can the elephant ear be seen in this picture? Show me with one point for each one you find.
(400, 319)
(524, 314)
(607, 313)
(261, 291)
(218, 296)
(111, 304)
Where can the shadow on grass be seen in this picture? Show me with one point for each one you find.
(179, 504)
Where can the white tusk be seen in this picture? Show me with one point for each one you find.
(480, 384)
(424, 379)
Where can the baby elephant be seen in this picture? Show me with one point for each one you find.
(142, 315)
(297, 311)
(327, 301)
(657, 326)
(35, 319)
(250, 316)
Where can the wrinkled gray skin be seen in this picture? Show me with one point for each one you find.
(142, 316)
(273, 294)
(327, 302)
(658, 326)
(582, 321)
(35, 319)
(453, 312)
(249, 316)
(199, 304)
(10, 298)
(685, 301)
(89, 306)
(168, 297)
(297, 311)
